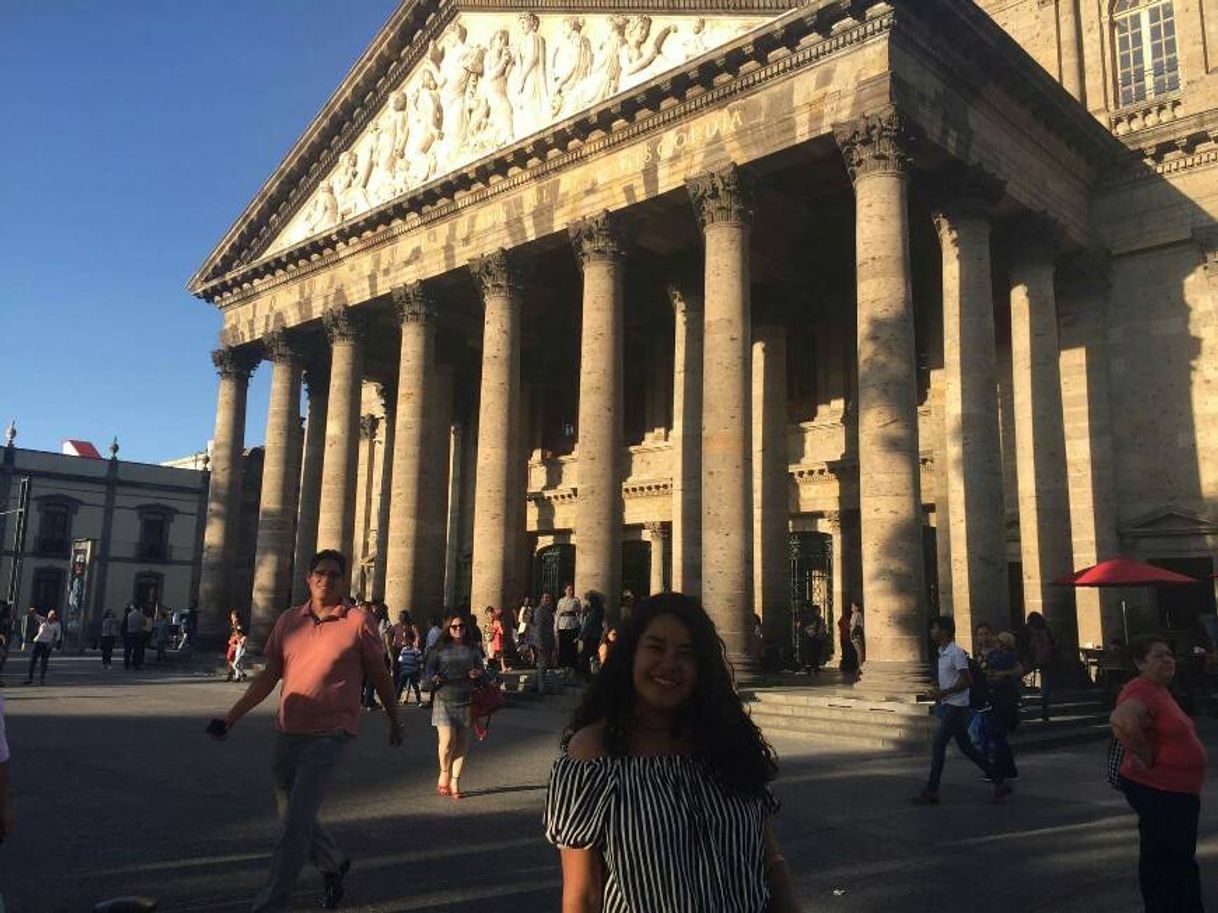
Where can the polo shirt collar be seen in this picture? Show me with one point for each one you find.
(307, 611)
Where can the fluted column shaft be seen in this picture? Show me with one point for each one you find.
(498, 408)
(875, 148)
(1040, 437)
(657, 534)
(977, 521)
(336, 514)
(415, 378)
(224, 491)
(280, 490)
(771, 508)
(436, 468)
(310, 481)
(598, 511)
(388, 395)
(723, 205)
(687, 439)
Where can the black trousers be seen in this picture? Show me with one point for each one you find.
(567, 639)
(41, 652)
(1167, 861)
(107, 649)
(133, 651)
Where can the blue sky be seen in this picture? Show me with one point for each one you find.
(135, 131)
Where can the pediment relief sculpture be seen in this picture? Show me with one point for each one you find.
(491, 79)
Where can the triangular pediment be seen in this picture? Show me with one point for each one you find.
(1169, 521)
(478, 81)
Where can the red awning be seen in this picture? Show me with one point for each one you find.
(1124, 572)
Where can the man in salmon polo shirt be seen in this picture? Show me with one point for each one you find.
(321, 650)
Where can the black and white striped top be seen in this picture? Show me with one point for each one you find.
(673, 839)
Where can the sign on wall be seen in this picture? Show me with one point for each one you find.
(78, 591)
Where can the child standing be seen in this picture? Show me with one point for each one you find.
(238, 670)
(410, 663)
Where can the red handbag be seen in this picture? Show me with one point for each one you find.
(484, 700)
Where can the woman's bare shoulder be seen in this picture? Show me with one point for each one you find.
(589, 743)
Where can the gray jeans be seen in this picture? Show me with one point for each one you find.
(302, 768)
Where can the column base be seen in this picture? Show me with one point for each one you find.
(749, 671)
(893, 681)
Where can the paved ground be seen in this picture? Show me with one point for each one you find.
(119, 791)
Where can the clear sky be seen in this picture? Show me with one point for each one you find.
(133, 134)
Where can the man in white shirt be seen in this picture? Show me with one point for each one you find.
(953, 712)
(566, 626)
(49, 634)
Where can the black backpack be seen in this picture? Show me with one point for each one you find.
(979, 691)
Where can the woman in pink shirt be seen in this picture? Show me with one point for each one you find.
(1161, 777)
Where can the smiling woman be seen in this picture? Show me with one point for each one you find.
(663, 774)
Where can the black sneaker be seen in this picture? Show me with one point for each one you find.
(334, 886)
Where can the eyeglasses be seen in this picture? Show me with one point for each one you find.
(456, 627)
(327, 575)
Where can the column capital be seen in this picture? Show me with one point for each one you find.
(496, 273)
(231, 361)
(343, 325)
(721, 196)
(877, 143)
(368, 425)
(833, 519)
(412, 303)
(1205, 237)
(279, 346)
(684, 302)
(1033, 237)
(656, 529)
(601, 237)
(964, 192)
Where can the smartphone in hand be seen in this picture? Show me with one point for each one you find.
(217, 729)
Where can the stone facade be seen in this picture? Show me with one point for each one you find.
(939, 321)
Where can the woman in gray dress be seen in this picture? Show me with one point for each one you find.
(454, 668)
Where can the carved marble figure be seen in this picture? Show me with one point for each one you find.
(529, 76)
(570, 64)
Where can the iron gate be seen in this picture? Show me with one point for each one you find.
(811, 555)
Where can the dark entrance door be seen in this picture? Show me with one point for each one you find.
(636, 571)
(48, 589)
(1181, 607)
(553, 568)
(147, 592)
(811, 556)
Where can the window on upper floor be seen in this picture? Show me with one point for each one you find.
(54, 529)
(154, 535)
(1147, 62)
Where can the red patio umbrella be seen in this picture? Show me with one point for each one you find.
(1125, 572)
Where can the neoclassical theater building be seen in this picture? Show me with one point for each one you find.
(908, 302)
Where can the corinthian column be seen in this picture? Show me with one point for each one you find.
(724, 208)
(657, 534)
(976, 520)
(1040, 436)
(415, 378)
(771, 481)
(498, 409)
(277, 507)
(316, 381)
(336, 515)
(875, 148)
(687, 439)
(599, 247)
(388, 396)
(224, 493)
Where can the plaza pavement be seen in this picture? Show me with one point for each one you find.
(118, 790)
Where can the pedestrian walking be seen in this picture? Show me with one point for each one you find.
(566, 624)
(1161, 775)
(29, 627)
(234, 638)
(1004, 674)
(410, 666)
(545, 638)
(455, 666)
(495, 637)
(858, 636)
(952, 710)
(133, 638)
(321, 652)
(162, 633)
(108, 635)
(661, 791)
(239, 654)
(48, 637)
(381, 623)
(190, 624)
(1042, 659)
(591, 630)
(526, 634)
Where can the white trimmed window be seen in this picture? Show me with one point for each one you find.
(1147, 63)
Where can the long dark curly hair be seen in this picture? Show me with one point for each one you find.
(723, 734)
